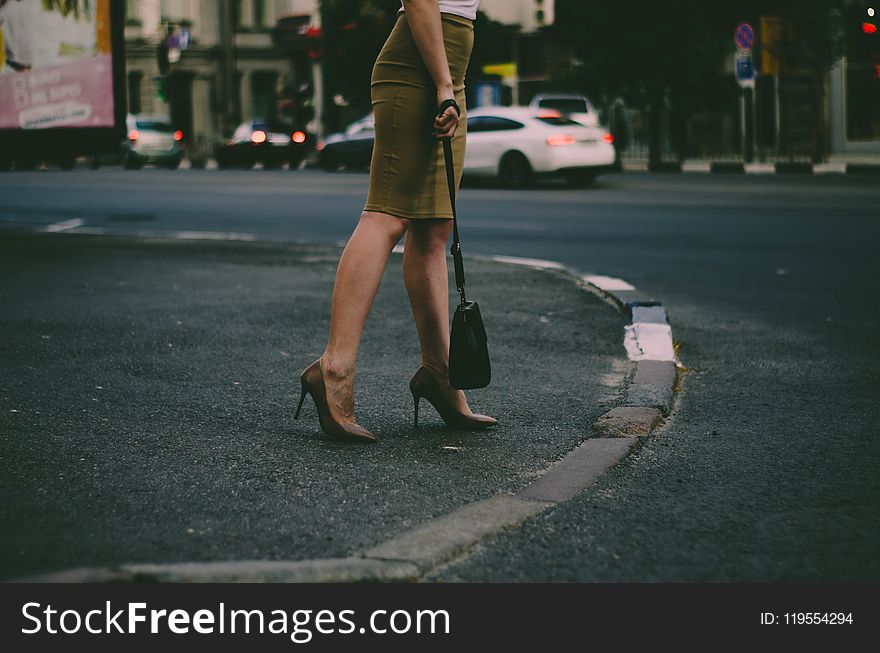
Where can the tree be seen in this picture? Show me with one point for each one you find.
(353, 34)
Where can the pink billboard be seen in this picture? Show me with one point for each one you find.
(55, 64)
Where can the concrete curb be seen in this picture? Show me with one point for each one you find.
(687, 166)
(758, 168)
(412, 554)
(330, 570)
(578, 470)
(727, 168)
(648, 342)
(863, 169)
(443, 538)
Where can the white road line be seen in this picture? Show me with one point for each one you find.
(212, 235)
(177, 235)
(535, 263)
(63, 226)
(506, 226)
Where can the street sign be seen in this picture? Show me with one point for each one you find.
(745, 70)
(501, 69)
(181, 39)
(771, 27)
(184, 38)
(745, 37)
(487, 93)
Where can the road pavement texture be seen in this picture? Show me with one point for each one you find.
(146, 404)
(768, 472)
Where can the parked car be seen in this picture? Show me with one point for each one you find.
(519, 144)
(575, 106)
(151, 139)
(255, 141)
(352, 148)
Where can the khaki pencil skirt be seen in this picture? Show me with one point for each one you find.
(407, 171)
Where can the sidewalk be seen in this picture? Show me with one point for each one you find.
(146, 405)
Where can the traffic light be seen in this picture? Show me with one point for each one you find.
(865, 36)
(871, 37)
(869, 24)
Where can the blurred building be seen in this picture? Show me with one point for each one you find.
(854, 88)
(795, 107)
(530, 15)
(815, 111)
(526, 58)
(261, 59)
(227, 69)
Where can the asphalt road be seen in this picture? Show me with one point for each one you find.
(146, 405)
(767, 470)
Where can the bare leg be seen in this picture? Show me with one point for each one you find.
(357, 281)
(427, 284)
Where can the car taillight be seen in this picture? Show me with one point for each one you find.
(562, 139)
(178, 135)
(298, 137)
(608, 138)
(258, 137)
(549, 113)
(133, 135)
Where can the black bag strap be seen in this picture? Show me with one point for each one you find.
(450, 181)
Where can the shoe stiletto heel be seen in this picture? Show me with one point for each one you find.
(425, 384)
(302, 397)
(312, 380)
(416, 406)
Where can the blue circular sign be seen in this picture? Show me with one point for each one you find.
(745, 36)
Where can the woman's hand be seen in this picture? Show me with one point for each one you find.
(446, 122)
(424, 21)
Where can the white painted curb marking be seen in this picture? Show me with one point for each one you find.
(648, 341)
(608, 284)
(63, 226)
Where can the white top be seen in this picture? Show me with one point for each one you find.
(464, 8)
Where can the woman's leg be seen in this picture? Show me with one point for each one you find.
(357, 282)
(427, 284)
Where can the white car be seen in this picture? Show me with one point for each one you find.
(152, 139)
(519, 144)
(352, 148)
(575, 106)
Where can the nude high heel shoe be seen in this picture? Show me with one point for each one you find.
(312, 383)
(425, 384)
